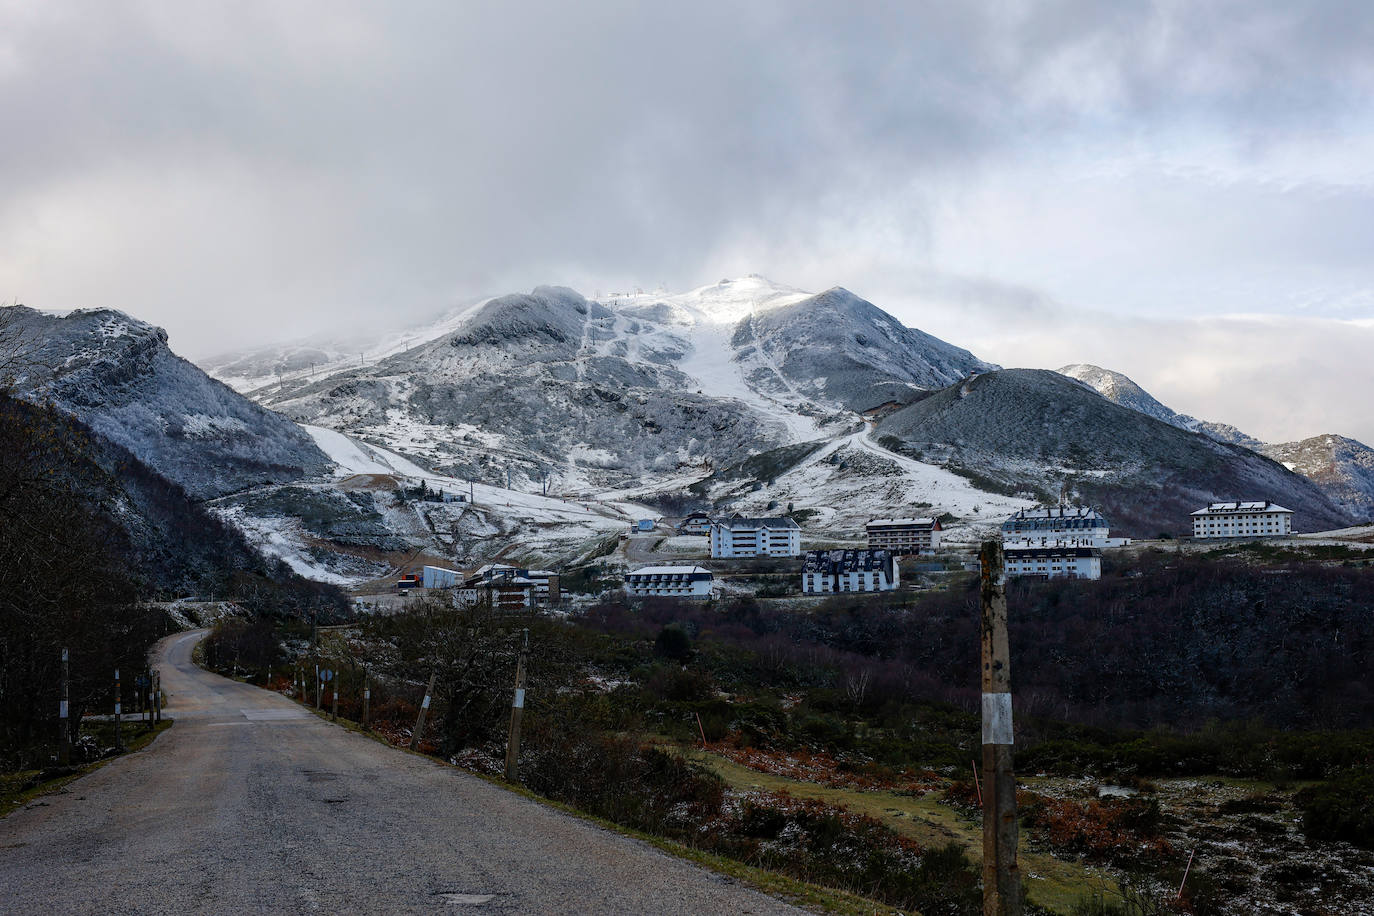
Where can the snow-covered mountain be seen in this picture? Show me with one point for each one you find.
(1118, 388)
(748, 395)
(592, 395)
(1343, 467)
(117, 375)
(562, 418)
(1038, 432)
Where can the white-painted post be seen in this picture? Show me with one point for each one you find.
(64, 736)
(367, 697)
(119, 735)
(1001, 874)
(517, 711)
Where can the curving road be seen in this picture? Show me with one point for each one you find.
(250, 804)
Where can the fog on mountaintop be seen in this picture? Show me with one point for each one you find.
(1042, 186)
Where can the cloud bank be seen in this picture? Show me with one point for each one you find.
(248, 171)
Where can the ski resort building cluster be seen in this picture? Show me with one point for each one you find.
(494, 585)
(1053, 542)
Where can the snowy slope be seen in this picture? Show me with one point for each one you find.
(1342, 467)
(606, 394)
(635, 396)
(1119, 389)
(117, 375)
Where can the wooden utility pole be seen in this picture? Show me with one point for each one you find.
(517, 710)
(1001, 874)
(367, 698)
(119, 735)
(64, 735)
(334, 713)
(157, 696)
(424, 710)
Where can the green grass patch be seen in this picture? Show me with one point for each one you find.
(1053, 883)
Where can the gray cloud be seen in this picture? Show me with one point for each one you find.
(248, 171)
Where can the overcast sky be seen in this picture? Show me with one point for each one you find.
(1181, 191)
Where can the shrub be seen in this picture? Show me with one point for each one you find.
(1342, 809)
(673, 642)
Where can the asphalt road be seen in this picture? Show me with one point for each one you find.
(250, 804)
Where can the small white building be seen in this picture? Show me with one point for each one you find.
(1258, 519)
(755, 537)
(1060, 561)
(438, 577)
(904, 536)
(696, 523)
(831, 571)
(669, 582)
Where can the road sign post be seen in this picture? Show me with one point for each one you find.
(327, 676)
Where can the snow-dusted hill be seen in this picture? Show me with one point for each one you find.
(591, 395)
(744, 395)
(118, 376)
(1118, 388)
(1038, 431)
(1343, 467)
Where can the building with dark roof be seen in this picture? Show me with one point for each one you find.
(696, 523)
(831, 571)
(904, 536)
(1053, 562)
(1053, 522)
(669, 582)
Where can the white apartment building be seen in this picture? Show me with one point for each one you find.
(832, 571)
(903, 536)
(1055, 523)
(1242, 520)
(1053, 562)
(670, 582)
(755, 537)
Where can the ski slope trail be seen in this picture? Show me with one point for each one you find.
(251, 804)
